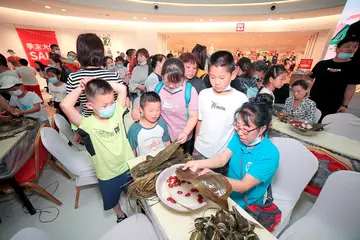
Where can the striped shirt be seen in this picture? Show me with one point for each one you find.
(76, 77)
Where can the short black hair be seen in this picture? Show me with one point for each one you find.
(149, 97)
(3, 61)
(24, 62)
(97, 87)
(223, 59)
(155, 59)
(301, 82)
(130, 52)
(90, 50)
(106, 58)
(264, 98)
(169, 55)
(259, 114)
(273, 72)
(259, 66)
(174, 69)
(244, 63)
(119, 59)
(41, 65)
(52, 46)
(347, 39)
(71, 52)
(53, 70)
(187, 57)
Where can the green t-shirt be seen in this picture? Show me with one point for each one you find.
(107, 144)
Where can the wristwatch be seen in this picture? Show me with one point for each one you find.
(346, 106)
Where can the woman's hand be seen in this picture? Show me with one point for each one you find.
(342, 109)
(192, 165)
(182, 137)
(205, 170)
(135, 114)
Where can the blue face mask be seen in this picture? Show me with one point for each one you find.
(107, 112)
(345, 56)
(142, 63)
(111, 68)
(53, 80)
(71, 58)
(255, 142)
(119, 65)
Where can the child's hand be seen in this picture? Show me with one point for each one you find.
(135, 114)
(205, 170)
(84, 82)
(77, 138)
(192, 165)
(16, 112)
(182, 138)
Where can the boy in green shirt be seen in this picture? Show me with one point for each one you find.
(104, 137)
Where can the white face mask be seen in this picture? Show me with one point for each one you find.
(16, 92)
(142, 63)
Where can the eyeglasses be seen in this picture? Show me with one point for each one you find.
(243, 131)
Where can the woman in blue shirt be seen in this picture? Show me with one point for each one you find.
(253, 158)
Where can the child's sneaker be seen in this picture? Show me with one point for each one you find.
(120, 219)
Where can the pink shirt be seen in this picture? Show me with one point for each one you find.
(173, 110)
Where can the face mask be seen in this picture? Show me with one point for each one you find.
(107, 112)
(58, 52)
(255, 142)
(53, 80)
(16, 93)
(142, 63)
(111, 68)
(71, 58)
(172, 91)
(345, 56)
(119, 65)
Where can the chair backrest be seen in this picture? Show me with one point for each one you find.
(64, 127)
(343, 124)
(318, 114)
(73, 160)
(41, 153)
(32, 233)
(296, 168)
(338, 204)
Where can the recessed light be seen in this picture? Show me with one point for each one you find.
(134, 17)
(210, 20)
(64, 10)
(145, 18)
(281, 18)
(289, 40)
(269, 19)
(201, 20)
(48, 7)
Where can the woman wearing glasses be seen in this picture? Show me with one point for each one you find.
(253, 159)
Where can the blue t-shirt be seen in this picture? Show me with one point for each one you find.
(261, 162)
(146, 140)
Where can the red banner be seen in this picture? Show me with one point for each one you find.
(36, 44)
(305, 64)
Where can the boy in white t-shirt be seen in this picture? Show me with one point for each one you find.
(151, 132)
(28, 103)
(57, 88)
(217, 106)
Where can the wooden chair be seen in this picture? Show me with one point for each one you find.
(30, 172)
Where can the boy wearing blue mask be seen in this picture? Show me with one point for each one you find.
(57, 88)
(217, 105)
(70, 62)
(104, 137)
(336, 79)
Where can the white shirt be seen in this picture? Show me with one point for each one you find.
(217, 115)
(28, 102)
(27, 75)
(57, 92)
(266, 90)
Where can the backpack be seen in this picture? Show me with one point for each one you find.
(251, 92)
(187, 95)
(328, 164)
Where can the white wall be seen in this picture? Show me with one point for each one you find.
(317, 45)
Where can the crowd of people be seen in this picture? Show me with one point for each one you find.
(218, 109)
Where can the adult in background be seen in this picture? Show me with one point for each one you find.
(28, 77)
(12, 58)
(5, 71)
(90, 50)
(55, 61)
(70, 62)
(336, 79)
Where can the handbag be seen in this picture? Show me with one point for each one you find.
(267, 214)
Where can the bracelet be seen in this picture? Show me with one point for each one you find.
(346, 106)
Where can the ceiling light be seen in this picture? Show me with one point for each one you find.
(210, 20)
(269, 19)
(134, 17)
(281, 18)
(145, 18)
(201, 20)
(48, 7)
(289, 40)
(64, 10)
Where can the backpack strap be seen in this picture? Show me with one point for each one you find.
(158, 87)
(187, 98)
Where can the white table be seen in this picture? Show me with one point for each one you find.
(7, 144)
(173, 225)
(335, 143)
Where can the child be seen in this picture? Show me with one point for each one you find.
(104, 137)
(57, 89)
(217, 106)
(109, 63)
(28, 103)
(122, 70)
(189, 60)
(150, 133)
(179, 103)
